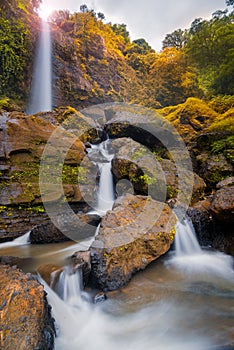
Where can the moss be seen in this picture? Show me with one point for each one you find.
(224, 123)
(3, 208)
(220, 145)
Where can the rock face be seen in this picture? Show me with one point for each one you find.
(81, 260)
(84, 227)
(149, 173)
(136, 232)
(203, 221)
(222, 205)
(27, 322)
(23, 139)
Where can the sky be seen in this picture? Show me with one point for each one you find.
(148, 19)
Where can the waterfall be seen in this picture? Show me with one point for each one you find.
(191, 259)
(105, 195)
(41, 92)
(185, 239)
(22, 240)
(70, 285)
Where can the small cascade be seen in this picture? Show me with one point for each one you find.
(41, 92)
(185, 239)
(191, 259)
(22, 240)
(70, 286)
(105, 196)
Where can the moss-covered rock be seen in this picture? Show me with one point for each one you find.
(150, 174)
(190, 117)
(135, 233)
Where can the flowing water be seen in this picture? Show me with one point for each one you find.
(106, 195)
(41, 91)
(184, 300)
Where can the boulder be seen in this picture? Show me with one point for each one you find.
(81, 260)
(25, 314)
(150, 174)
(83, 226)
(141, 124)
(203, 221)
(222, 205)
(50, 273)
(136, 232)
(213, 168)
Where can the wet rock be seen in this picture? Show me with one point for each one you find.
(99, 298)
(26, 315)
(81, 260)
(203, 221)
(150, 174)
(83, 226)
(135, 233)
(50, 273)
(222, 205)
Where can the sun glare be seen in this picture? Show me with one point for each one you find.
(44, 12)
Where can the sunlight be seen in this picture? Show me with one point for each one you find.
(44, 12)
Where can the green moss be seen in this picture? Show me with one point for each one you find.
(220, 145)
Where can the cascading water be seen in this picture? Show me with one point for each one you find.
(22, 240)
(190, 258)
(158, 320)
(185, 240)
(105, 195)
(41, 92)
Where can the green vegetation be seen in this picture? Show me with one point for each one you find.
(16, 46)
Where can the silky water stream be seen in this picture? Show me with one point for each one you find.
(184, 300)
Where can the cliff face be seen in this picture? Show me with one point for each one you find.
(88, 72)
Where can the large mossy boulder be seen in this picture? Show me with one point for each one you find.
(214, 154)
(190, 117)
(150, 174)
(136, 232)
(25, 314)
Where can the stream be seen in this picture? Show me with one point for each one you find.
(184, 300)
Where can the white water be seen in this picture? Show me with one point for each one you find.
(105, 196)
(162, 312)
(191, 259)
(41, 92)
(185, 240)
(22, 240)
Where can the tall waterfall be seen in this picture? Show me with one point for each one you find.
(41, 92)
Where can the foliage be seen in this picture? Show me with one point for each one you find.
(222, 103)
(224, 122)
(16, 45)
(176, 39)
(209, 48)
(223, 144)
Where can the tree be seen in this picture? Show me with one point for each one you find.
(176, 39)
(101, 16)
(83, 8)
(121, 29)
(209, 44)
(230, 2)
(17, 20)
(170, 78)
